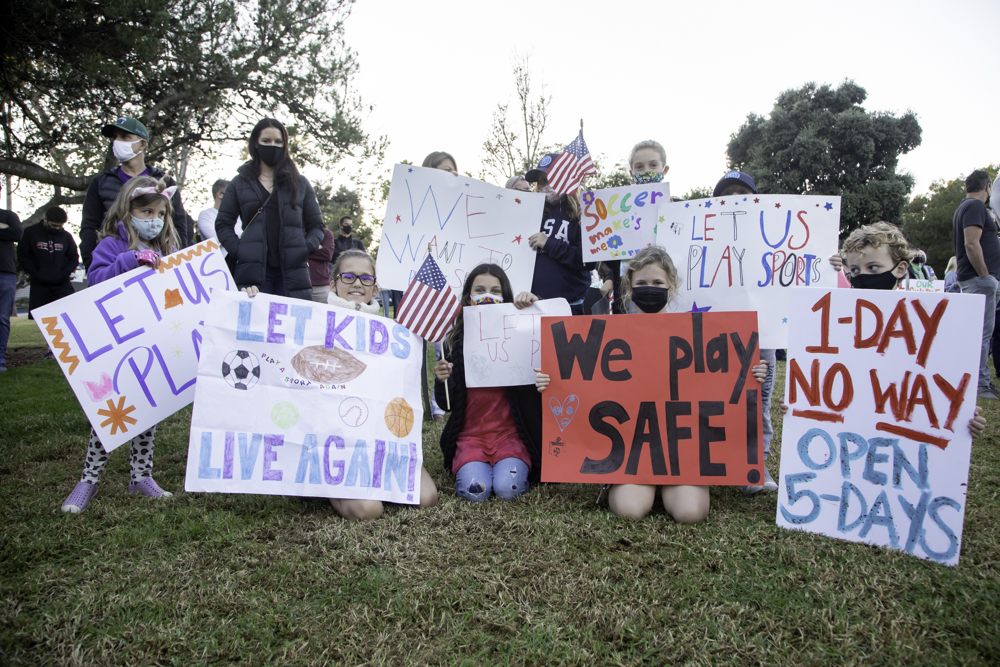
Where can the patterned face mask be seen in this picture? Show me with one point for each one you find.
(486, 299)
(147, 229)
(648, 177)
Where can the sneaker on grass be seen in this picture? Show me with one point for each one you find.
(79, 498)
(768, 485)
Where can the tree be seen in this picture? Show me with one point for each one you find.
(515, 143)
(615, 177)
(927, 220)
(699, 193)
(335, 205)
(821, 141)
(196, 72)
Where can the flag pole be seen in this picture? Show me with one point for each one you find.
(447, 396)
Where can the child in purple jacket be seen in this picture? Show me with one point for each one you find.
(136, 231)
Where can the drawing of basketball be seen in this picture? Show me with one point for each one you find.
(399, 417)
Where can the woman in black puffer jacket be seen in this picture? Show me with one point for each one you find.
(282, 223)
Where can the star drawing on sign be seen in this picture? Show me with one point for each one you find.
(777, 205)
(466, 185)
(410, 170)
(687, 205)
(517, 239)
(696, 309)
(828, 206)
(398, 219)
(517, 200)
(117, 415)
(177, 351)
(723, 202)
(661, 219)
(756, 201)
(708, 204)
(499, 196)
(784, 320)
(175, 326)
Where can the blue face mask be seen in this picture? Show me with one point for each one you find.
(648, 177)
(147, 229)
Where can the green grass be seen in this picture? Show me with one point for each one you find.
(548, 579)
(24, 333)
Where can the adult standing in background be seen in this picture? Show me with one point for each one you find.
(129, 142)
(48, 254)
(206, 219)
(344, 240)
(282, 221)
(319, 267)
(10, 233)
(977, 250)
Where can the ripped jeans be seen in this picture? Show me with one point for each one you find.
(508, 479)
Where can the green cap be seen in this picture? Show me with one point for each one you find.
(130, 125)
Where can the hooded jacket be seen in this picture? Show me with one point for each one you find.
(48, 255)
(300, 232)
(101, 196)
(525, 406)
(112, 257)
(559, 269)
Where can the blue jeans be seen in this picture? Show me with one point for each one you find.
(8, 285)
(984, 285)
(508, 479)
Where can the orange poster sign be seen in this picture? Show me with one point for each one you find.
(652, 399)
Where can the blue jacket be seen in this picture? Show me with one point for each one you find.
(559, 267)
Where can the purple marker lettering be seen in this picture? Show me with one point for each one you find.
(201, 269)
(140, 376)
(87, 355)
(377, 464)
(199, 289)
(333, 331)
(141, 279)
(339, 465)
(170, 379)
(227, 455)
(274, 310)
(271, 441)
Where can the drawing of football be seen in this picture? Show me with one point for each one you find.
(241, 369)
(325, 366)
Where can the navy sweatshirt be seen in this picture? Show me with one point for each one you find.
(559, 267)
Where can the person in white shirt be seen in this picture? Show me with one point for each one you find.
(206, 219)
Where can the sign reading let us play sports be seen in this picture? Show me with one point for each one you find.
(652, 399)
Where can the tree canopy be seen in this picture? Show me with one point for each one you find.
(820, 140)
(336, 204)
(194, 72)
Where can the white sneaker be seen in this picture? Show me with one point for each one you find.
(768, 485)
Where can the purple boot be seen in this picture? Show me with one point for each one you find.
(147, 487)
(78, 500)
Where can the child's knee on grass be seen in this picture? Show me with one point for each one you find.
(357, 510)
(686, 504)
(428, 490)
(510, 478)
(631, 501)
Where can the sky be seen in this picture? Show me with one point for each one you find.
(684, 73)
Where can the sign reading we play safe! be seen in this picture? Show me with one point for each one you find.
(652, 399)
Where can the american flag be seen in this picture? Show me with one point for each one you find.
(568, 170)
(428, 306)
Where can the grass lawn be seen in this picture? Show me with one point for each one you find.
(24, 333)
(548, 579)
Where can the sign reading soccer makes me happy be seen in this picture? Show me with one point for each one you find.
(302, 399)
(619, 222)
(129, 346)
(464, 221)
(744, 253)
(881, 386)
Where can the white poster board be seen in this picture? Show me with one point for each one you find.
(923, 285)
(303, 399)
(129, 346)
(466, 222)
(503, 344)
(881, 386)
(619, 222)
(745, 252)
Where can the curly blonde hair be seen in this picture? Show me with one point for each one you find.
(652, 255)
(876, 235)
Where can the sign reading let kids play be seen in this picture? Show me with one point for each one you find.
(652, 399)
(129, 346)
(619, 222)
(881, 387)
(302, 399)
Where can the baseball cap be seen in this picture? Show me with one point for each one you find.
(542, 168)
(734, 177)
(127, 124)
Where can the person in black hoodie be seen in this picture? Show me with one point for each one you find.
(282, 221)
(492, 442)
(559, 267)
(129, 142)
(47, 253)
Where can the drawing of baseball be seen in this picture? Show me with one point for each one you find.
(353, 411)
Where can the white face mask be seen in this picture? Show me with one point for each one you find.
(123, 150)
(147, 229)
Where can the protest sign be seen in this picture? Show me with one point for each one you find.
(881, 387)
(680, 384)
(302, 399)
(744, 252)
(619, 222)
(503, 344)
(129, 346)
(466, 222)
(923, 285)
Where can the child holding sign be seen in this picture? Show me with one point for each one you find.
(648, 282)
(354, 287)
(137, 231)
(492, 441)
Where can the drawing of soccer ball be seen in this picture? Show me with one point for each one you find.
(241, 369)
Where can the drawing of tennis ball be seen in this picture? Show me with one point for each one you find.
(285, 415)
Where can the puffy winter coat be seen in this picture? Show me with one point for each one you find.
(301, 231)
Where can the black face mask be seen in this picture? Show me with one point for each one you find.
(884, 280)
(650, 299)
(346, 229)
(270, 155)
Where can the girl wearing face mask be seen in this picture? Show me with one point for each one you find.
(492, 441)
(282, 223)
(649, 284)
(877, 256)
(129, 144)
(137, 232)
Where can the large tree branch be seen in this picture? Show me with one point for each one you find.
(35, 172)
(57, 200)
